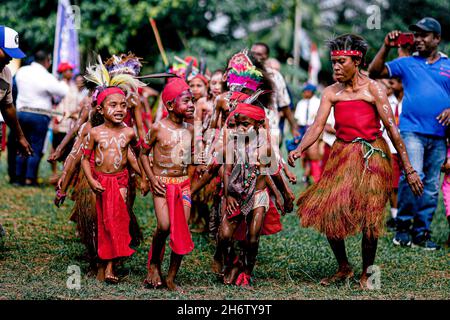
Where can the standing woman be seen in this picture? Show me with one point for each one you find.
(355, 185)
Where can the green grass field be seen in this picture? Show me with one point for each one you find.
(41, 244)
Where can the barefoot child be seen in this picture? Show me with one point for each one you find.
(246, 193)
(171, 140)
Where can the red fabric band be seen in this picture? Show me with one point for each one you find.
(173, 89)
(346, 53)
(87, 152)
(251, 111)
(108, 91)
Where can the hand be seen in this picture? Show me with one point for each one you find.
(232, 205)
(145, 187)
(96, 186)
(201, 169)
(54, 156)
(158, 187)
(61, 180)
(294, 155)
(444, 117)
(289, 201)
(279, 205)
(296, 133)
(415, 183)
(291, 176)
(390, 39)
(59, 198)
(24, 147)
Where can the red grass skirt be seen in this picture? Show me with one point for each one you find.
(349, 198)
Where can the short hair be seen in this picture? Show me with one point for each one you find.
(349, 42)
(262, 44)
(41, 56)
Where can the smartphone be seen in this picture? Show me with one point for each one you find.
(405, 38)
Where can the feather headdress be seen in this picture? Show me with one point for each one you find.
(242, 73)
(99, 75)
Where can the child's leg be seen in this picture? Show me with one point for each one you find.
(252, 241)
(344, 270)
(369, 250)
(225, 247)
(154, 276)
(175, 259)
(109, 272)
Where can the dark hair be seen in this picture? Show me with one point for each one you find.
(262, 44)
(41, 56)
(349, 42)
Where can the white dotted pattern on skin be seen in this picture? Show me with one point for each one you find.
(385, 109)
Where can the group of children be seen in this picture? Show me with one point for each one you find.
(212, 144)
(205, 137)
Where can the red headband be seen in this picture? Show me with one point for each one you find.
(173, 89)
(112, 90)
(201, 77)
(249, 110)
(346, 53)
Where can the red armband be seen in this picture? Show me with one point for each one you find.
(141, 143)
(87, 152)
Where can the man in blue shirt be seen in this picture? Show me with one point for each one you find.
(423, 121)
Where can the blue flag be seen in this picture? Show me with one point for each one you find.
(66, 36)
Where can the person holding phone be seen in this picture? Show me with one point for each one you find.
(425, 115)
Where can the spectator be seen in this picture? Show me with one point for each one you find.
(426, 112)
(305, 113)
(67, 113)
(9, 48)
(281, 97)
(35, 86)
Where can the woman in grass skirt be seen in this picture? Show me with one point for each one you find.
(355, 185)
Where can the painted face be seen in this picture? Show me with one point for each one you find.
(114, 108)
(425, 42)
(198, 88)
(244, 124)
(344, 68)
(216, 84)
(4, 59)
(184, 106)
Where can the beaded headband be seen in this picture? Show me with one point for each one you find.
(346, 53)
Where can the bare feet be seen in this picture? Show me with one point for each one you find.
(363, 282)
(154, 277)
(342, 274)
(170, 282)
(230, 277)
(217, 266)
(100, 272)
(110, 277)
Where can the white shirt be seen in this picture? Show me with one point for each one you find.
(306, 111)
(36, 86)
(394, 104)
(327, 137)
(281, 95)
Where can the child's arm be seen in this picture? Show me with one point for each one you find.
(274, 190)
(158, 188)
(86, 166)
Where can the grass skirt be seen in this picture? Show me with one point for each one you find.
(349, 198)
